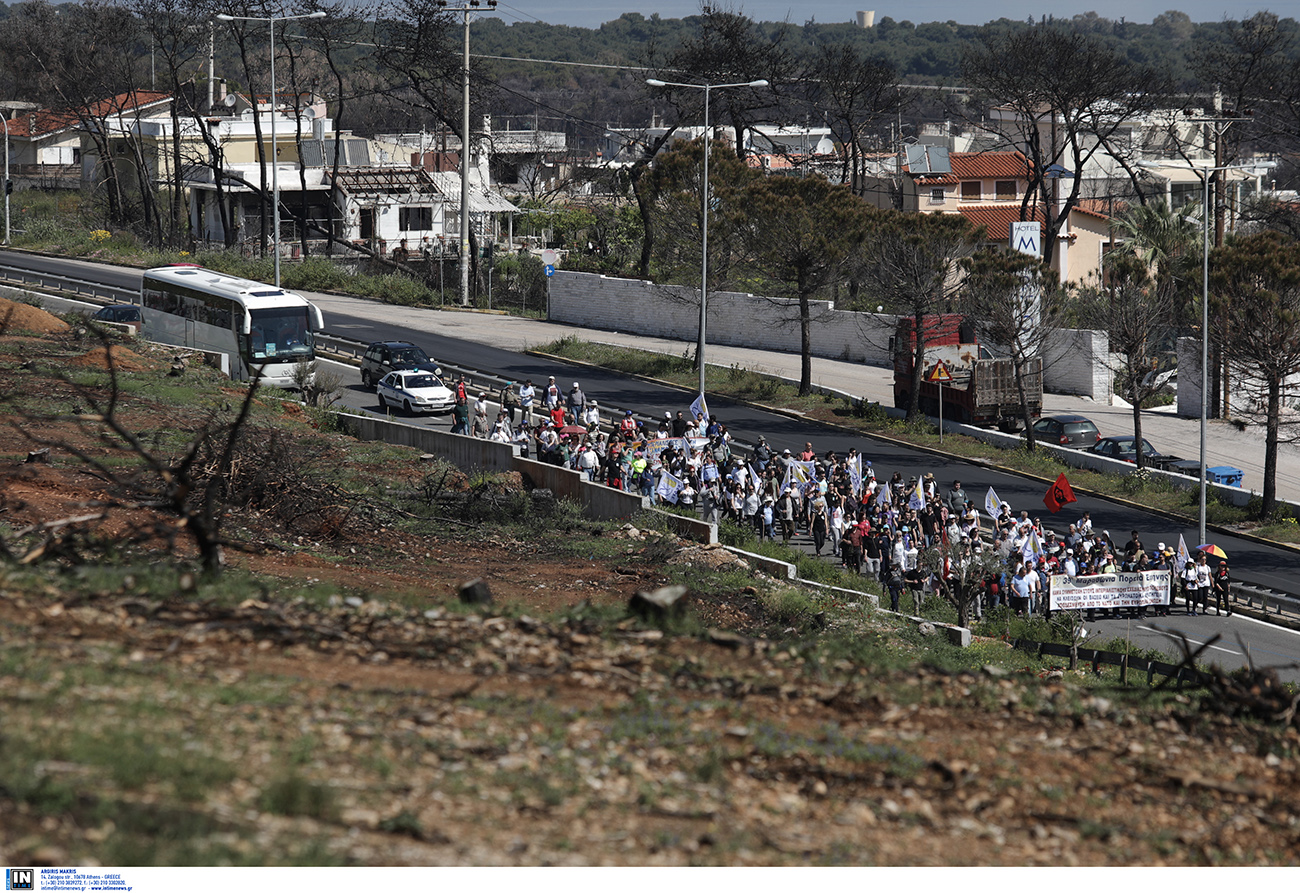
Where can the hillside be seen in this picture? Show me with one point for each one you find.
(328, 699)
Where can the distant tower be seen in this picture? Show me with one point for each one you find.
(867, 19)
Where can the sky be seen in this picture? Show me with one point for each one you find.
(966, 12)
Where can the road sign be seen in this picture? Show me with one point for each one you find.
(550, 270)
(549, 258)
(939, 374)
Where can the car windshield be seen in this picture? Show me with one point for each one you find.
(422, 381)
(410, 356)
(1079, 428)
(280, 334)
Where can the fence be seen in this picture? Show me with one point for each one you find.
(1126, 662)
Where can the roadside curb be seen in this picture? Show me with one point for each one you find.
(933, 451)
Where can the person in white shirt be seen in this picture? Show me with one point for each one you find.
(527, 393)
(1189, 577)
(1203, 582)
(1035, 581)
(589, 462)
(591, 415)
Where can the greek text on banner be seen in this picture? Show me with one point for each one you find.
(1105, 591)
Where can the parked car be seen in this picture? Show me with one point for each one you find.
(383, 357)
(128, 315)
(414, 392)
(1122, 448)
(1067, 430)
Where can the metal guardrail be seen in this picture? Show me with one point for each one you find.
(479, 379)
(56, 282)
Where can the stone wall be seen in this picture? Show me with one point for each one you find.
(740, 320)
(745, 320)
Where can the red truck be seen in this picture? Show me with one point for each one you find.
(983, 387)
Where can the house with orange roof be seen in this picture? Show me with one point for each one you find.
(988, 188)
(47, 147)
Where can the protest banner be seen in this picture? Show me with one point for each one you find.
(1109, 591)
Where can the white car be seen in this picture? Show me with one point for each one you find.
(414, 392)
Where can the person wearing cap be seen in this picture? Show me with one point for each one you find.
(480, 425)
(527, 393)
(509, 399)
(1069, 566)
(591, 416)
(576, 401)
(627, 427)
(551, 396)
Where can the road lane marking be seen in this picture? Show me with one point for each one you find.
(1154, 629)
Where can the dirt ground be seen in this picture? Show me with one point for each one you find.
(411, 731)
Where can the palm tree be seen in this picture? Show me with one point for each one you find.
(1167, 242)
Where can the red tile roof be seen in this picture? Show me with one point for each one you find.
(1095, 207)
(978, 166)
(47, 121)
(997, 219)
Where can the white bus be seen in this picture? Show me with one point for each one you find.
(263, 329)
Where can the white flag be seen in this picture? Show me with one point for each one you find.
(700, 409)
(917, 498)
(669, 487)
(1183, 556)
(1032, 550)
(883, 497)
(992, 504)
(855, 476)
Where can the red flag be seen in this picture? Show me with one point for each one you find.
(1058, 494)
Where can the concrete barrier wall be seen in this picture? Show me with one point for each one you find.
(740, 320)
(1076, 362)
(464, 452)
(598, 501)
(690, 528)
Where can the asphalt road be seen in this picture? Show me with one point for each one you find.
(363, 320)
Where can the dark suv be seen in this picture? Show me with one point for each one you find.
(382, 357)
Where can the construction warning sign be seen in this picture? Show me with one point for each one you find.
(939, 374)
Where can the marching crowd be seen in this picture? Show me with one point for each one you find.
(883, 528)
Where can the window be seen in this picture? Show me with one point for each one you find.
(419, 219)
(970, 190)
(1005, 189)
(936, 195)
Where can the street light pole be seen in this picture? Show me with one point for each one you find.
(704, 209)
(1204, 173)
(275, 152)
(465, 9)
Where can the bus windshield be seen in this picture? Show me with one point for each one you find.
(281, 334)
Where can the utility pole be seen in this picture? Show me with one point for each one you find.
(465, 9)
